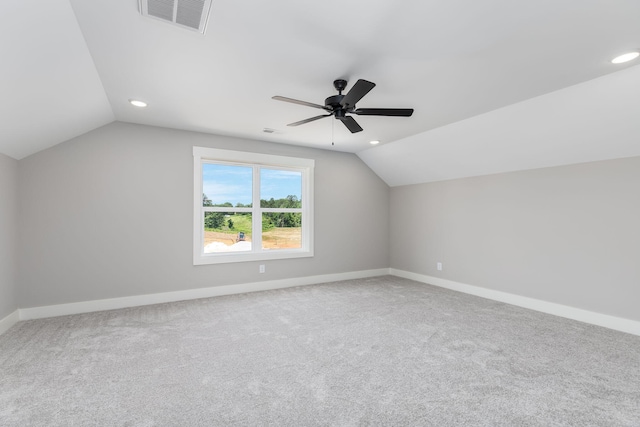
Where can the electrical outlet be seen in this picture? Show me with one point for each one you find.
(439, 265)
(262, 269)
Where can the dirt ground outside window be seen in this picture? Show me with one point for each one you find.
(276, 238)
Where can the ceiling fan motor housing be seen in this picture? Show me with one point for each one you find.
(333, 102)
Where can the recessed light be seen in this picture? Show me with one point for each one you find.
(375, 142)
(137, 103)
(625, 58)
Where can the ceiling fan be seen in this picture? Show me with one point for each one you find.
(340, 105)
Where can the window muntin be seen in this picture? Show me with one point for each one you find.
(251, 206)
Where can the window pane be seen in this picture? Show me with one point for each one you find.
(281, 230)
(227, 232)
(280, 188)
(226, 185)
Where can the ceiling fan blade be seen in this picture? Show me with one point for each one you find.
(360, 89)
(312, 119)
(350, 123)
(296, 101)
(400, 112)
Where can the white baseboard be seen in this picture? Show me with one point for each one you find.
(604, 320)
(9, 321)
(139, 300)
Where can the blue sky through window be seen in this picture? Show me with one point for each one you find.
(278, 184)
(228, 183)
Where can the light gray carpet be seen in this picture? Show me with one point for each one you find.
(379, 351)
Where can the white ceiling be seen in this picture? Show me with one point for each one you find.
(595, 120)
(70, 66)
(51, 91)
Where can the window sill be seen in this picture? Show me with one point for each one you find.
(206, 259)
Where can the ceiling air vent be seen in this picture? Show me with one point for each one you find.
(191, 14)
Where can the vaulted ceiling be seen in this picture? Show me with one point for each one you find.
(496, 85)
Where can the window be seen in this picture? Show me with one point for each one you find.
(250, 206)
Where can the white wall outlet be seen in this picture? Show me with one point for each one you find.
(262, 269)
(439, 266)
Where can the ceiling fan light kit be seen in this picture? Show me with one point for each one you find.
(341, 105)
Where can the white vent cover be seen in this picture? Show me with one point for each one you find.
(192, 14)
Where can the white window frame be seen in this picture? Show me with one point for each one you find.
(203, 155)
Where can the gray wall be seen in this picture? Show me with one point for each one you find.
(8, 225)
(109, 214)
(569, 235)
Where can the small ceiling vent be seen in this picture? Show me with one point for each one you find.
(191, 14)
